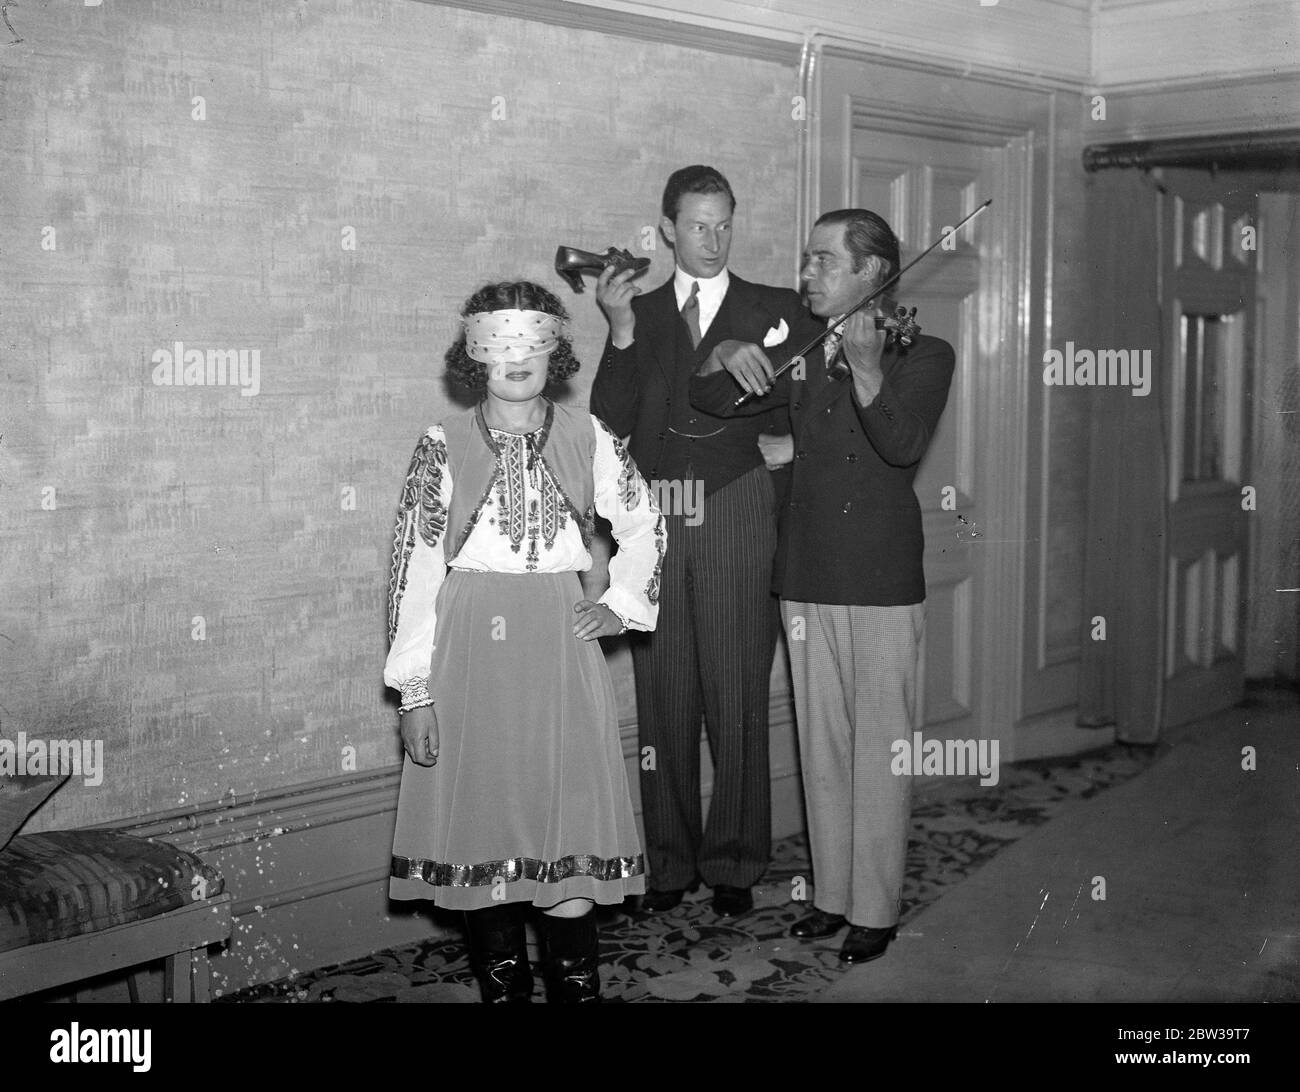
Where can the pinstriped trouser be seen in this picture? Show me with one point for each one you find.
(854, 674)
(711, 654)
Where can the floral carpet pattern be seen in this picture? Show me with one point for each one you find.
(689, 954)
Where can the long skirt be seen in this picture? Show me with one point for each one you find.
(529, 799)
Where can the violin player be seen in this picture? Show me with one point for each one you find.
(711, 653)
(849, 565)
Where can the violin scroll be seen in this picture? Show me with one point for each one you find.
(902, 327)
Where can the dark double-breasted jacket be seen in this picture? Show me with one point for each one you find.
(851, 527)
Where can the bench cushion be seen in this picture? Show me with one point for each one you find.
(65, 883)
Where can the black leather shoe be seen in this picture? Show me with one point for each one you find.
(818, 924)
(864, 944)
(659, 902)
(731, 902)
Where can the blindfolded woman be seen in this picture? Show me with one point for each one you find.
(514, 792)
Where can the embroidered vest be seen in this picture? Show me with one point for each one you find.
(566, 445)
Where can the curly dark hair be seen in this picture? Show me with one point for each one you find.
(504, 296)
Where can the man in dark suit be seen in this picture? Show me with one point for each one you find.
(849, 568)
(711, 654)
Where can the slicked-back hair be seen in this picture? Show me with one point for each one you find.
(865, 234)
(505, 296)
(694, 179)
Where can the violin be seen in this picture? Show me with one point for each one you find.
(901, 324)
(902, 329)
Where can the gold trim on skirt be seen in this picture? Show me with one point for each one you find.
(512, 869)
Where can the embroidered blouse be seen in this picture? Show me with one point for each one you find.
(524, 525)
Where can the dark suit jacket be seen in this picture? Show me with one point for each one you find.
(851, 531)
(643, 391)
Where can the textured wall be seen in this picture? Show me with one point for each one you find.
(130, 222)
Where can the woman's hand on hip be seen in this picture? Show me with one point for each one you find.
(595, 620)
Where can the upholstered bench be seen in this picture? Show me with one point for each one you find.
(75, 904)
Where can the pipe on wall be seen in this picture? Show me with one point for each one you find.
(1259, 150)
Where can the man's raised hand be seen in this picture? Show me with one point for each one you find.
(864, 344)
(614, 294)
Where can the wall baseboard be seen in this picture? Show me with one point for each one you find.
(308, 866)
(1056, 734)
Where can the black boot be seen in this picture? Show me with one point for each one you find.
(498, 952)
(572, 959)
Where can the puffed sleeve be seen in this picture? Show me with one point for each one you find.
(418, 567)
(623, 498)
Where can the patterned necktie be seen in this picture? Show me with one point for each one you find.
(831, 345)
(691, 313)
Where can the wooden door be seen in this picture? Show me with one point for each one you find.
(923, 159)
(1207, 265)
(922, 186)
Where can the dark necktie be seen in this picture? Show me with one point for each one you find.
(691, 313)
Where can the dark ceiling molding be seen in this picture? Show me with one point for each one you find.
(1276, 149)
(642, 27)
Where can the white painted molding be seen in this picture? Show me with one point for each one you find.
(1007, 45)
(1161, 42)
(1261, 75)
(1194, 108)
(255, 817)
(691, 33)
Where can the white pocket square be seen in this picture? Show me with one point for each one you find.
(776, 335)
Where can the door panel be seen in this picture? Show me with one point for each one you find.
(1207, 297)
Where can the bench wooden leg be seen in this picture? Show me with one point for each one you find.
(178, 977)
(202, 977)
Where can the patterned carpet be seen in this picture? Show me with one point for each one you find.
(691, 955)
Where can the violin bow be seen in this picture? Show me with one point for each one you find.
(859, 306)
